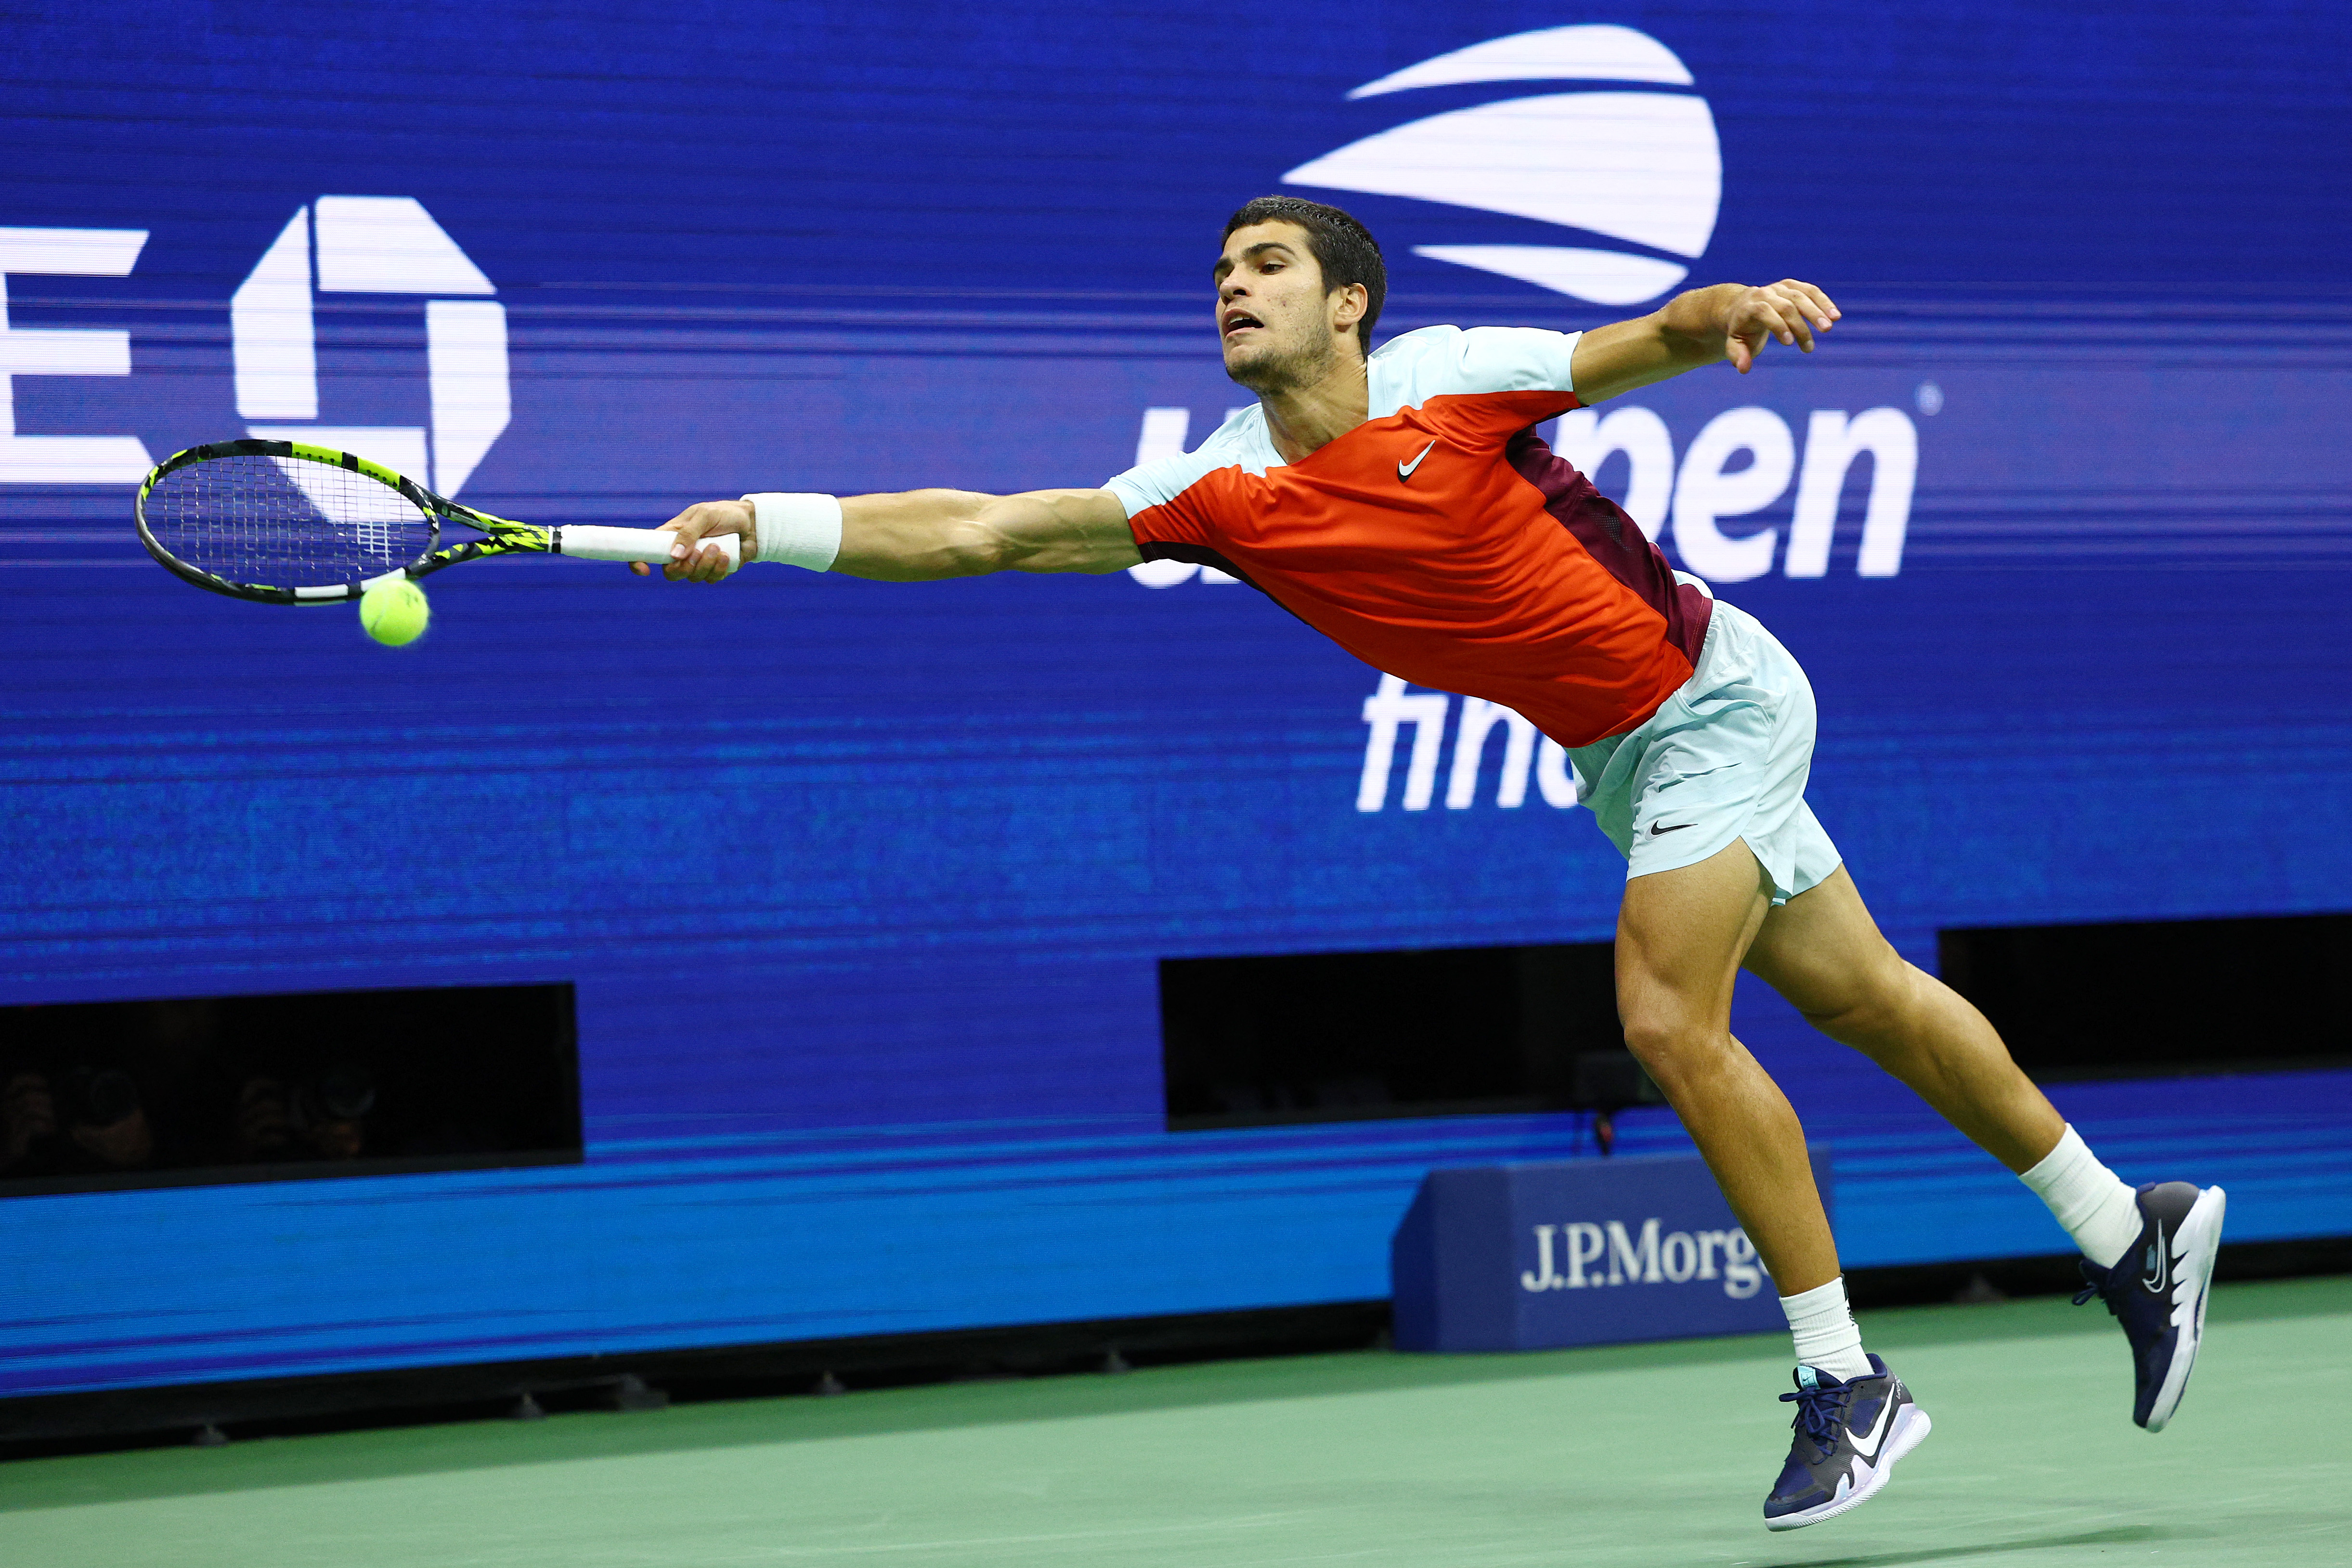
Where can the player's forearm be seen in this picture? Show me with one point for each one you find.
(1683, 334)
(916, 536)
(923, 536)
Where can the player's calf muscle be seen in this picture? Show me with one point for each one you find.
(1872, 1003)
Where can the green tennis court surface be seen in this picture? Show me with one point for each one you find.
(1634, 1454)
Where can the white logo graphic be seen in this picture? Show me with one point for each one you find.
(373, 245)
(1866, 1444)
(1390, 709)
(1404, 470)
(65, 352)
(1641, 167)
(1680, 1257)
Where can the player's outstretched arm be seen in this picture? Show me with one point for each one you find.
(922, 536)
(1730, 321)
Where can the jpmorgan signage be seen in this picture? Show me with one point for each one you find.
(1581, 1255)
(1592, 1251)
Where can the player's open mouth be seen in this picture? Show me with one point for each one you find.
(1239, 319)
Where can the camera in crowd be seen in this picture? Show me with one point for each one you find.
(90, 1092)
(322, 1115)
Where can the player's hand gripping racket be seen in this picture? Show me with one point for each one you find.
(284, 523)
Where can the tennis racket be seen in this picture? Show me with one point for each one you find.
(283, 523)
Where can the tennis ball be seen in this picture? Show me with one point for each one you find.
(394, 613)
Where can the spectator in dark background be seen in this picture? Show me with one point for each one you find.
(99, 1095)
(28, 1122)
(81, 1120)
(318, 1115)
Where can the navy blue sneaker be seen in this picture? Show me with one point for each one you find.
(1849, 1436)
(2157, 1291)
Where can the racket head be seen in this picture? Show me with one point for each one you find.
(283, 523)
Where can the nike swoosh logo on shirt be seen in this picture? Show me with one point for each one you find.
(1404, 470)
(1656, 829)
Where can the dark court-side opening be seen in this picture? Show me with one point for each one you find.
(2160, 999)
(101, 1096)
(1329, 1037)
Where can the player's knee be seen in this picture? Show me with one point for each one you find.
(1673, 1046)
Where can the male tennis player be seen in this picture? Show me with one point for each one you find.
(1401, 502)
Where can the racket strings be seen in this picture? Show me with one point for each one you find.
(286, 522)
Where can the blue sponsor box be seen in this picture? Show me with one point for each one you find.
(1538, 1256)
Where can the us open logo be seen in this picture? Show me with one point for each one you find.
(1627, 167)
(1641, 168)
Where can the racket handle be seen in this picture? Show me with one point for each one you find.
(651, 546)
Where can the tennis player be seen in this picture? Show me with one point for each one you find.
(1399, 501)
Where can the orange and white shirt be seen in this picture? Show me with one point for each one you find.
(1441, 540)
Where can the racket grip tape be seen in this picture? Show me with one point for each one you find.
(651, 546)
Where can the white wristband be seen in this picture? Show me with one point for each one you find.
(798, 530)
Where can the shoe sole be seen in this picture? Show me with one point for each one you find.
(1911, 1429)
(2195, 1247)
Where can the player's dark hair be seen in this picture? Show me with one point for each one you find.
(1343, 248)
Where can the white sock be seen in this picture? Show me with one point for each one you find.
(1823, 1327)
(2090, 1200)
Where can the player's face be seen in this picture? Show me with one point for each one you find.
(1274, 319)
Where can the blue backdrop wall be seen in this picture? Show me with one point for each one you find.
(862, 886)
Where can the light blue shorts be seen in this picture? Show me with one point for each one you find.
(1725, 757)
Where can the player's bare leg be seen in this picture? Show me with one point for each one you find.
(1681, 936)
(1822, 952)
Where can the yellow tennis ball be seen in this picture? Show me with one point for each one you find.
(394, 613)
